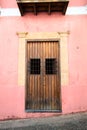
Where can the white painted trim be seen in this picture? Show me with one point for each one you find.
(81, 10)
(10, 12)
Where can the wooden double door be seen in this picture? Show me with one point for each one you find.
(43, 76)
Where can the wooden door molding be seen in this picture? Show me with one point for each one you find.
(62, 38)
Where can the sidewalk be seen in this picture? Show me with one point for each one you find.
(76, 121)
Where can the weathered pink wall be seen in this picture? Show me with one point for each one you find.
(12, 96)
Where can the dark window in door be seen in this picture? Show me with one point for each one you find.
(50, 66)
(34, 66)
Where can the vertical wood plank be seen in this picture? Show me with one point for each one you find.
(42, 91)
(39, 80)
(28, 77)
(58, 78)
(50, 79)
(53, 81)
(33, 78)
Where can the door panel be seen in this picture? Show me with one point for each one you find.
(43, 82)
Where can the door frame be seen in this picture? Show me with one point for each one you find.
(43, 40)
(62, 37)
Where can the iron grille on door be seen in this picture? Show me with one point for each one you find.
(34, 66)
(43, 82)
(51, 66)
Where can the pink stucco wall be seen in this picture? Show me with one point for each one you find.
(74, 97)
(12, 96)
